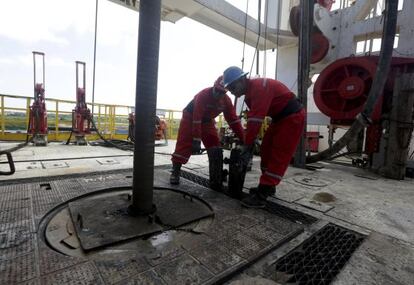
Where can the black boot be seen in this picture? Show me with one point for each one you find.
(271, 191)
(175, 174)
(257, 197)
(215, 162)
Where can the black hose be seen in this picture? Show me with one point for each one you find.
(70, 136)
(108, 142)
(21, 145)
(120, 144)
(364, 118)
(17, 147)
(343, 154)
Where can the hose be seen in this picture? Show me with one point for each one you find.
(364, 118)
(21, 145)
(119, 144)
(70, 136)
(110, 143)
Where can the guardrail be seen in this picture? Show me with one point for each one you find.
(111, 120)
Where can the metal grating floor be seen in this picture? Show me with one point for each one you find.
(239, 236)
(274, 208)
(195, 178)
(290, 214)
(320, 258)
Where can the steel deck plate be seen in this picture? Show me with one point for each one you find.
(110, 222)
(204, 252)
(18, 269)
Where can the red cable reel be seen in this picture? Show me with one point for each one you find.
(342, 88)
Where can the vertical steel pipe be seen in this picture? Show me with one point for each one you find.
(306, 24)
(145, 105)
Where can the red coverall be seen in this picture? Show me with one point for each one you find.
(198, 123)
(268, 97)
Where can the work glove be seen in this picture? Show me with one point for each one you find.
(196, 147)
(246, 153)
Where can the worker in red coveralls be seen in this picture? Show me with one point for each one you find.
(267, 97)
(198, 125)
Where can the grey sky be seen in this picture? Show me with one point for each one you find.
(191, 55)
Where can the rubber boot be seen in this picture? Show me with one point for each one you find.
(237, 174)
(215, 162)
(175, 174)
(271, 191)
(257, 198)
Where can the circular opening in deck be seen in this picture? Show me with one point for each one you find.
(99, 223)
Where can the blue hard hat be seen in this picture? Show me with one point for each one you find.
(231, 74)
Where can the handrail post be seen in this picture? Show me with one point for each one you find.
(113, 121)
(99, 117)
(106, 119)
(3, 118)
(27, 112)
(170, 121)
(57, 120)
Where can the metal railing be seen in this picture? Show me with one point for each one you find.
(111, 120)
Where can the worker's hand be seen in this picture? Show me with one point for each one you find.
(246, 153)
(196, 147)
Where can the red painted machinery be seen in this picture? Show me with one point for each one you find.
(342, 88)
(38, 113)
(160, 128)
(320, 44)
(81, 115)
(326, 3)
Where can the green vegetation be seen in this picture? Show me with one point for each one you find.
(16, 122)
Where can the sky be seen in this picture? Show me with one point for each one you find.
(192, 55)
